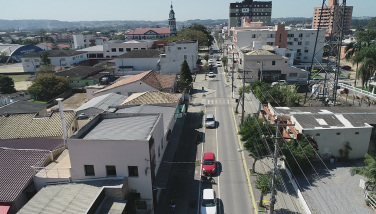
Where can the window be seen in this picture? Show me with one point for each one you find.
(179, 48)
(290, 35)
(62, 59)
(159, 151)
(37, 66)
(121, 49)
(73, 58)
(299, 50)
(299, 43)
(81, 56)
(163, 56)
(185, 56)
(128, 49)
(305, 51)
(89, 170)
(111, 170)
(273, 62)
(306, 57)
(300, 35)
(27, 60)
(293, 74)
(185, 47)
(289, 43)
(133, 171)
(288, 55)
(307, 43)
(135, 48)
(113, 49)
(162, 143)
(143, 48)
(270, 43)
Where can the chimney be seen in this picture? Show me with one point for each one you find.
(257, 45)
(62, 119)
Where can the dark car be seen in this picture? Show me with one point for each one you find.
(346, 67)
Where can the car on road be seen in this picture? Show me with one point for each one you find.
(280, 82)
(211, 61)
(211, 74)
(209, 202)
(219, 64)
(346, 67)
(209, 165)
(345, 83)
(210, 120)
(314, 81)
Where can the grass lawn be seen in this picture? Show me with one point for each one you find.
(19, 78)
(36, 101)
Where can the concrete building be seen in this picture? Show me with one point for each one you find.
(327, 19)
(82, 41)
(137, 60)
(176, 53)
(256, 11)
(331, 128)
(113, 49)
(262, 62)
(81, 76)
(62, 58)
(300, 40)
(94, 52)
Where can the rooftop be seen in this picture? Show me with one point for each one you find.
(22, 107)
(72, 198)
(147, 53)
(103, 102)
(184, 41)
(78, 71)
(138, 31)
(129, 128)
(152, 97)
(97, 48)
(28, 126)
(55, 53)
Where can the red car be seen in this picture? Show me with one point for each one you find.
(209, 164)
(346, 67)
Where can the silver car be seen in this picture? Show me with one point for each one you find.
(210, 121)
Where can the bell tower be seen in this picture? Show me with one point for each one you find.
(172, 22)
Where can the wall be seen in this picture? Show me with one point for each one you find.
(69, 60)
(134, 87)
(174, 57)
(139, 64)
(32, 65)
(107, 47)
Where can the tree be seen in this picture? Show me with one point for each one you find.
(224, 61)
(240, 92)
(119, 37)
(6, 84)
(44, 58)
(189, 34)
(185, 75)
(251, 132)
(202, 28)
(48, 86)
(298, 154)
(205, 66)
(351, 50)
(263, 183)
(372, 23)
(368, 171)
(45, 69)
(367, 58)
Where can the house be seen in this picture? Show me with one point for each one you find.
(300, 40)
(152, 97)
(330, 127)
(113, 48)
(81, 76)
(263, 62)
(104, 103)
(31, 125)
(63, 58)
(146, 81)
(137, 60)
(89, 196)
(133, 150)
(17, 156)
(21, 107)
(176, 53)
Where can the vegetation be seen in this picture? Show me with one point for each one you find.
(224, 61)
(194, 32)
(44, 58)
(45, 69)
(185, 76)
(6, 85)
(47, 86)
(19, 78)
(206, 57)
(240, 92)
(368, 171)
(119, 37)
(263, 183)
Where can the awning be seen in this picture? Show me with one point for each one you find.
(4, 209)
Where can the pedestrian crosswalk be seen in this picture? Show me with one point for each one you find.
(218, 101)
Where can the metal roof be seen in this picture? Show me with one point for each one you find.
(167, 112)
(103, 102)
(32, 143)
(126, 128)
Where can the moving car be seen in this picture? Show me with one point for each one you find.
(210, 62)
(280, 82)
(209, 202)
(219, 64)
(209, 165)
(346, 67)
(210, 120)
(211, 74)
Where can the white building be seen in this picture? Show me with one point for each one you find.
(63, 58)
(296, 39)
(138, 60)
(176, 53)
(116, 48)
(83, 41)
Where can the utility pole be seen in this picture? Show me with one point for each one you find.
(232, 85)
(243, 96)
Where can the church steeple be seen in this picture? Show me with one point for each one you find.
(172, 22)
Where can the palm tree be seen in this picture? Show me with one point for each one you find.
(367, 58)
(351, 50)
(368, 171)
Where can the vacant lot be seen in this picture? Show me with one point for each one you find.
(19, 78)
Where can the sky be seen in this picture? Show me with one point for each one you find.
(156, 10)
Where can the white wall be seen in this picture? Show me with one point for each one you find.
(173, 58)
(30, 64)
(78, 41)
(139, 64)
(134, 87)
(107, 47)
(69, 60)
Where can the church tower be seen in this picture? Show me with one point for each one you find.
(172, 22)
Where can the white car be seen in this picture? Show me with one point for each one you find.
(219, 64)
(280, 82)
(209, 202)
(211, 74)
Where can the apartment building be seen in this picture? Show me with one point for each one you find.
(257, 11)
(327, 19)
(176, 53)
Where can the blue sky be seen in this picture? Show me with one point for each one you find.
(82, 10)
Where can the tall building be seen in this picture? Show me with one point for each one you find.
(172, 22)
(257, 11)
(327, 19)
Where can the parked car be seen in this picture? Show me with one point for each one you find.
(346, 67)
(209, 202)
(209, 165)
(210, 120)
(219, 64)
(314, 81)
(211, 74)
(345, 83)
(211, 61)
(280, 82)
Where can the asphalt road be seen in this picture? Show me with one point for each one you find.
(231, 184)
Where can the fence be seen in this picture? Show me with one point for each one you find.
(370, 200)
(358, 90)
(301, 198)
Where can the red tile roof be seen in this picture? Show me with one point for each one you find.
(142, 31)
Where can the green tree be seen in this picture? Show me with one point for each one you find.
(185, 75)
(48, 86)
(202, 28)
(224, 61)
(254, 141)
(45, 69)
(263, 183)
(189, 34)
(6, 84)
(368, 171)
(298, 154)
(44, 58)
(119, 37)
(205, 67)
(367, 58)
(206, 57)
(372, 23)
